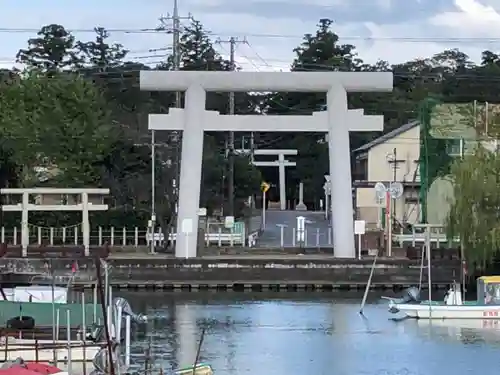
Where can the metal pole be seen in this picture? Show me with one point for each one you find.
(263, 210)
(394, 178)
(232, 43)
(359, 246)
(367, 289)
(153, 190)
(176, 47)
(428, 245)
(389, 224)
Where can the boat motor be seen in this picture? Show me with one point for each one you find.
(411, 295)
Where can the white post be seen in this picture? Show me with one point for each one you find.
(389, 225)
(124, 236)
(301, 230)
(191, 166)
(39, 235)
(127, 341)
(359, 246)
(24, 225)
(282, 234)
(301, 206)
(100, 236)
(51, 235)
(340, 172)
(282, 178)
(86, 223)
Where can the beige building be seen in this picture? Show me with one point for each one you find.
(391, 157)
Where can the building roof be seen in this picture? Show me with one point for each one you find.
(388, 136)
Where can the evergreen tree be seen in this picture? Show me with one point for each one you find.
(53, 49)
(99, 54)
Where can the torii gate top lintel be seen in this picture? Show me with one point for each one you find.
(265, 81)
(54, 191)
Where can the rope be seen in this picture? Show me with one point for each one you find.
(55, 228)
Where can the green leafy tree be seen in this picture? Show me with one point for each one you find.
(58, 123)
(474, 213)
(52, 50)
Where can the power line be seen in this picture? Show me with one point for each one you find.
(409, 39)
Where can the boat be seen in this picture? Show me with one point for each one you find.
(21, 367)
(485, 307)
(199, 369)
(27, 307)
(41, 326)
(81, 353)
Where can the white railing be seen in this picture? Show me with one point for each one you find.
(419, 238)
(135, 237)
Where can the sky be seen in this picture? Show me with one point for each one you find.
(393, 30)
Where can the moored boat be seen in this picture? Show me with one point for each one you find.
(486, 307)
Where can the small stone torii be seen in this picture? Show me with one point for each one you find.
(281, 163)
(194, 120)
(25, 207)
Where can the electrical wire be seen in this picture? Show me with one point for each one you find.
(149, 30)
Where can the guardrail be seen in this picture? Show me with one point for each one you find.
(216, 234)
(419, 238)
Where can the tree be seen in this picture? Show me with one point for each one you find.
(52, 50)
(319, 52)
(474, 214)
(58, 123)
(99, 54)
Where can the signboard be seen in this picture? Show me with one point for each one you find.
(187, 226)
(229, 222)
(301, 228)
(359, 227)
(265, 186)
(396, 190)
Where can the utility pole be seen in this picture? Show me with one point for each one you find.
(175, 30)
(230, 141)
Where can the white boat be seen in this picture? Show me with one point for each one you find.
(486, 307)
(81, 354)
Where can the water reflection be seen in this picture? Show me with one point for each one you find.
(318, 333)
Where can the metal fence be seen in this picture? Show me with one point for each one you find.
(215, 234)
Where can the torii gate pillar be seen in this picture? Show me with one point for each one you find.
(194, 120)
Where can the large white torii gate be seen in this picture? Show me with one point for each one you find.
(194, 120)
(25, 207)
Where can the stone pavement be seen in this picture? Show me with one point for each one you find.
(318, 231)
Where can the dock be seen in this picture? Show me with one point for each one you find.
(233, 272)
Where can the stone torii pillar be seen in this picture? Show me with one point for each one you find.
(337, 120)
(281, 163)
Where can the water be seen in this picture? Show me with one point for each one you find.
(315, 333)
